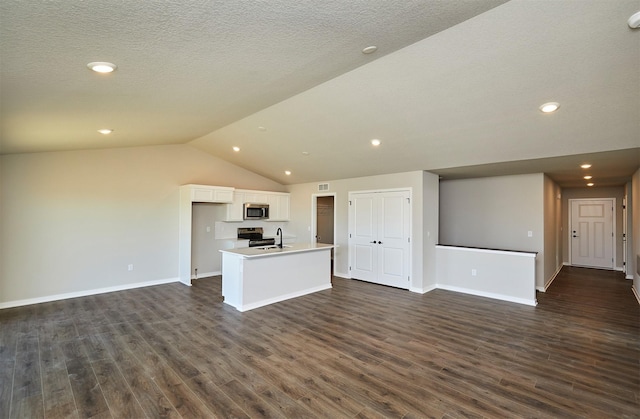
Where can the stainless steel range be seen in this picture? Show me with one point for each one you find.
(254, 235)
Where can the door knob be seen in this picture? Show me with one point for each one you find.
(576, 236)
(374, 242)
(379, 242)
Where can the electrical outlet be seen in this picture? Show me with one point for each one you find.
(208, 229)
(529, 233)
(130, 267)
(474, 272)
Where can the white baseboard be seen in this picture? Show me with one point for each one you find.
(423, 290)
(628, 277)
(635, 292)
(548, 284)
(341, 275)
(489, 295)
(56, 297)
(268, 301)
(206, 274)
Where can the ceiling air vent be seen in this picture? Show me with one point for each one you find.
(323, 187)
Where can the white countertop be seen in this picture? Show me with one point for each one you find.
(252, 252)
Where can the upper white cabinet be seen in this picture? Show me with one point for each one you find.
(279, 203)
(257, 197)
(235, 210)
(216, 194)
(279, 206)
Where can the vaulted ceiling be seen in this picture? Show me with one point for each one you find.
(454, 86)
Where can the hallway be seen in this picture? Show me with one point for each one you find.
(593, 295)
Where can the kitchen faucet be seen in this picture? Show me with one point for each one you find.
(279, 232)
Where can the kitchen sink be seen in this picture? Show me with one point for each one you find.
(284, 246)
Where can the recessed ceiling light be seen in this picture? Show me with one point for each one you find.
(585, 166)
(590, 184)
(588, 177)
(370, 50)
(375, 142)
(105, 131)
(236, 149)
(549, 107)
(287, 172)
(102, 67)
(634, 21)
(262, 128)
(305, 153)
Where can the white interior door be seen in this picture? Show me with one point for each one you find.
(592, 233)
(379, 242)
(393, 239)
(364, 237)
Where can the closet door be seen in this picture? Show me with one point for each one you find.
(393, 239)
(363, 240)
(379, 238)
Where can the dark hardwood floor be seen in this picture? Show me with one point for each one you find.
(356, 351)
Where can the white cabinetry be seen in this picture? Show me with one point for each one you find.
(235, 209)
(256, 197)
(217, 194)
(279, 204)
(188, 195)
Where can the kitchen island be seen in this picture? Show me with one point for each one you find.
(257, 276)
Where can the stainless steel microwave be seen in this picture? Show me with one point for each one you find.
(256, 211)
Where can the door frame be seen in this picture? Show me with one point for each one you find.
(314, 218)
(350, 228)
(613, 238)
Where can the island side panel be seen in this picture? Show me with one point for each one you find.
(267, 280)
(232, 279)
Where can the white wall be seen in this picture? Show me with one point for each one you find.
(508, 276)
(496, 213)
(420, 182)
(430, 209)
(552, 229)
(71, 222)
(205, 256)
(616, 192)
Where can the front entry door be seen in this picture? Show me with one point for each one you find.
(592, 232)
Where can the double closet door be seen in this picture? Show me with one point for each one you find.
(379, 237)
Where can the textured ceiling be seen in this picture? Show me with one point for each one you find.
(186, 68)
(454, 87)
